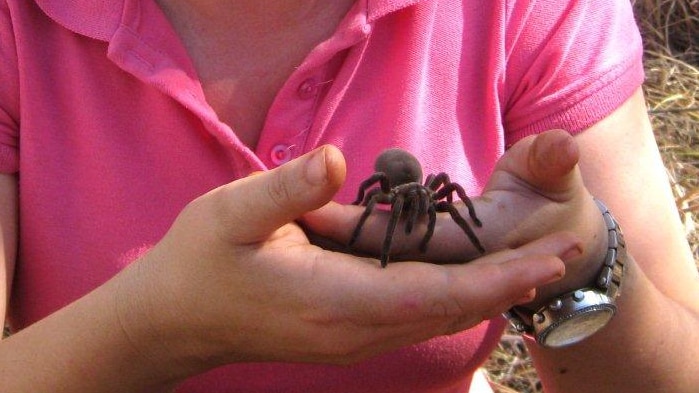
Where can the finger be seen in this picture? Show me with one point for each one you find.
(355, 307)
(262, 203)
(411, 291)
(512, 276)
(410, 302)
(546, 161)
(332, 226)
(333, 220)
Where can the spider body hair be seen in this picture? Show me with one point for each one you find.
(399, 175)
(399, 166)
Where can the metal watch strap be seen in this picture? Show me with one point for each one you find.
(597, 296)
(613, 268)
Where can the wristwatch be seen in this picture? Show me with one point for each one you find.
(570, 318)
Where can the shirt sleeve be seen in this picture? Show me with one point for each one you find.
(9, 94)
(569, 64)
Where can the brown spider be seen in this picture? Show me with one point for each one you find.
(399, 175)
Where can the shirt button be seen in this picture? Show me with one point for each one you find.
(280, 154)
(307, 89)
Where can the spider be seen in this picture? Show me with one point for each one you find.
(399, 175)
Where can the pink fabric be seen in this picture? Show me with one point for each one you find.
(102, 115)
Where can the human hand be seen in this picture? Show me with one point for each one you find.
(235, 279)
(536, 189)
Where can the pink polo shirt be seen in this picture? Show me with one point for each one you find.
(104, 119)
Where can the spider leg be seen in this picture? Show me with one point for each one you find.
(367, 212)
(396, 209)
(419, 205)
(432, 214)
(438, 180)
(448, 207)
(373, 179)
(429, 180)
(371, 194)
(412, 203)
(455, 187)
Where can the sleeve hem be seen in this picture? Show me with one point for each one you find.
(594, 104)
(9, 160)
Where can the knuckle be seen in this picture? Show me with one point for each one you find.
(279, 190)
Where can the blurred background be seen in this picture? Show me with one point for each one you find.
(670, 30)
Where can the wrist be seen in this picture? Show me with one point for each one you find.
(152, 326)
(570, 317)
(585, 268)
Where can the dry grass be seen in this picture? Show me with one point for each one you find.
(671, 33)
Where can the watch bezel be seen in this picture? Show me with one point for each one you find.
(570, 308)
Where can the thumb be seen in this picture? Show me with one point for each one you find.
(260, 204)
(547, 161)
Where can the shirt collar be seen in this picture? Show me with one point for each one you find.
(379, 8)
(99, 19)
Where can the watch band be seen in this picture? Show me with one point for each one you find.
(573, 316)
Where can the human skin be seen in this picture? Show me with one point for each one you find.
(214, 292)
(545, 183)
(173, 313)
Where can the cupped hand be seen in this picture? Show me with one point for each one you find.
(235, 279)
(535, 190)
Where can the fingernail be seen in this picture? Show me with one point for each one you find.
(316, 168)
(526, 298)
(556, 276)
(571, 253)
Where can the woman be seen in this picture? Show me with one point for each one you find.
(148, 259)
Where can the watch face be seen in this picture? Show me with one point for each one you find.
(577, 327)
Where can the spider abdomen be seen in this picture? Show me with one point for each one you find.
(399, 166)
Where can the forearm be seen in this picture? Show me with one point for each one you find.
(81, 348)
(649, 345)
(643, 349)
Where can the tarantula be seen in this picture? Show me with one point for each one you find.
(399, 175)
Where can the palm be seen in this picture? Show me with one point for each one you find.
(523, 201)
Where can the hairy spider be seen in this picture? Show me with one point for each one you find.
(399, 175)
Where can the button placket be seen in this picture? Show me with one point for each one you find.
(299, 105)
